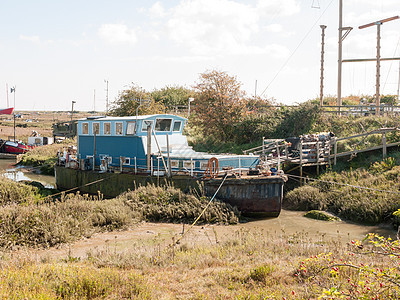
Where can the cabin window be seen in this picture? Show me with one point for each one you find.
(107, 128)
(131, 128)
(188, 164)
(203, 165)
(177, 126)
(96, 128)
(175, 163)
(126, 161)
(163, 124)
(146, 124)
(85, 128)
(118, 128)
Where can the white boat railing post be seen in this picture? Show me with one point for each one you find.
(191, 166)
(279, 156)
(240, 168)
(158, 170)
(135, 165)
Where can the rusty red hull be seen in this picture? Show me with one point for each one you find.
(253, 196)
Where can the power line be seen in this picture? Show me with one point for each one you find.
(295, 50)
(390, 68)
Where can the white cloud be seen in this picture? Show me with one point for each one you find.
(157, 10)
(117, 34)
(375, 3)
(278, 8)
(213, 27)
(33, 38)
(275, 28)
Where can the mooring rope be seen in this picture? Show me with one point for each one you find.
(344, 184)
(195, 221)
(75, 188)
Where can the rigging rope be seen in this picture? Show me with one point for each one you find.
(345, 184)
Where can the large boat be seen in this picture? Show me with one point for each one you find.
(13, 147)
(116, 154)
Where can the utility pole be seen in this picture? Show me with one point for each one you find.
(321, 97)
(8, 105)
(340, 55)
(94, 100)
(106, 81)
(72, 111)
(13, 91)
(189, 100)
(339, 87)
(398, 87)
(378, 56)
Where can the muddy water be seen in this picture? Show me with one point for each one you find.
(288, 222)
(291, 222)
(15, 173)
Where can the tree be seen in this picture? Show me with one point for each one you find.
(219, 105)
(173, 95)
(129, 100)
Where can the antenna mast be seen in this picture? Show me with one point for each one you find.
(321, 97)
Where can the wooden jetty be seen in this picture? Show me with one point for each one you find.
(321, 152)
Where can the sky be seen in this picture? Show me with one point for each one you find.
(55, 51)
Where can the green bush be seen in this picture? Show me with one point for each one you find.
(340, 193)
(306, 198)
(168, 204)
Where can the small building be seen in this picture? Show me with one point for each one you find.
(147, 143)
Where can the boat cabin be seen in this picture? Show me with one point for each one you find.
(147, 143)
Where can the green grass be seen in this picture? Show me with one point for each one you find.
(44, 157)
(349, 202)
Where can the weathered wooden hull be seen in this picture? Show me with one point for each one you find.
(258, 196)
(255, 196)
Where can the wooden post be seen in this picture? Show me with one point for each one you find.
(279, 156)
(317, 158)
(335, 152)
(301, 162)
(384, 150)
(329, 152)
(148, 147)
(263, 147)
(286, 151)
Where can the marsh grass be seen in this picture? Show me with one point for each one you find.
(347, 200)
(69, 281)
(169, 204)
(27, 219)
(244, 264)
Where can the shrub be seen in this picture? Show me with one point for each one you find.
(306, 198)
(168, 204)
(320, 215)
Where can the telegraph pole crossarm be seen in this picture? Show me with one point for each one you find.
(378, 22)
(378, 55)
